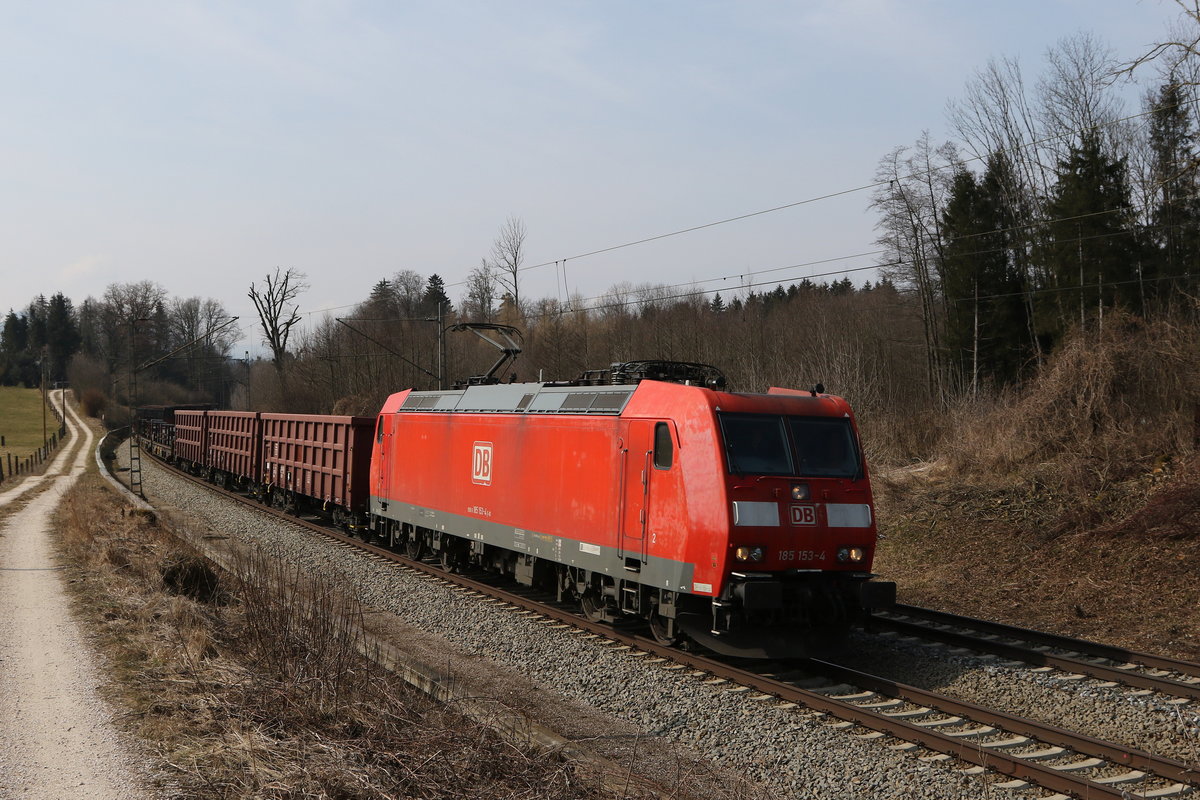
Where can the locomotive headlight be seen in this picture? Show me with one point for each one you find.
(747, 552)
(851, 555)
(800, 491)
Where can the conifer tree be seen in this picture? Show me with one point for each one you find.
(1092, 252)
(62, 335)
(1175, 216)
(435, 294)
(986, 318)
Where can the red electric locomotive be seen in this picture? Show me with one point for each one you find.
(741, 521)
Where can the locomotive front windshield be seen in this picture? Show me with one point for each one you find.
(808, 447)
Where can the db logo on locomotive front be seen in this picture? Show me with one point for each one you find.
(804, 515)
(481, 463)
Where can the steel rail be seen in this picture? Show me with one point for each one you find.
(1029, 655)
(1054, 640)
(1047, 734)
(961, 747)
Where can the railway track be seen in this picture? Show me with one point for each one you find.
(1026, 752)
(1077, 657)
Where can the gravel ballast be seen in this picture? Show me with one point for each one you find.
(1119, 714)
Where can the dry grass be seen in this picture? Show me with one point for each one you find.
(252, 684)
(994, 553)
(1073, 505)
(1110, 405)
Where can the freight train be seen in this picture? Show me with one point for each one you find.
(741, 522)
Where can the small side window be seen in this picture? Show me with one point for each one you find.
(379, 429)
(664, 448)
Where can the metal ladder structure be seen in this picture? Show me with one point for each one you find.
(135, 447)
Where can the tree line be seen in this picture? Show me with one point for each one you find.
(1052, 207)
(1054, 204)
(94, 344)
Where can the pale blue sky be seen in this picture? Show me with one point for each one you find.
(200, 144)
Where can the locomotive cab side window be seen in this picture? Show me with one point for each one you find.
(664, 448)
(379, 429)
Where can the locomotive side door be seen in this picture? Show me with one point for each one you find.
(636, 451)
(383, 454)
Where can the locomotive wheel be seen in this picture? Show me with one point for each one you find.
(663, 629)
(448, 560)
(414, 547)
(592, 607)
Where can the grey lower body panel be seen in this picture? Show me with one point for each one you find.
(653, 571)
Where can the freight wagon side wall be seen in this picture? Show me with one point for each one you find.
(233, 442)
(191, 442)
(322, 457)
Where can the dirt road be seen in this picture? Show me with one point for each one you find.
(56, 735)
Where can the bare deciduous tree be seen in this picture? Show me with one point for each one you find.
(123, 305)
(1181, 48)
(1075, 96)
(911, 205)
(508, 252)
(272, 305)
(480, 299)
(409, 287)
(996, 116)
(196, 320)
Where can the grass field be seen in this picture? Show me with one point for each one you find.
(21, 422)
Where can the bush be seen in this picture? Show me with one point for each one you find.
(93, 402)
(86, 372)
(1110, 404)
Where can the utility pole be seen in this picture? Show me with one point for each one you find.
(45, 399)
(441, 326)
(135, 448)
(1079, 233)
(975, 346)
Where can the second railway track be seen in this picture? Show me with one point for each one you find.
(1168, 676)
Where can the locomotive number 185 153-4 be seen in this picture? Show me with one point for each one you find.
(801, 555)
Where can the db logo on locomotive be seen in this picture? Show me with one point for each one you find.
(481, 464)
(804, 515)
